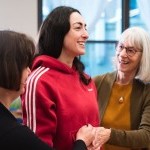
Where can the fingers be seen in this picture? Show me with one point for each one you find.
(94, 137)
(86, 133)
(102, 136)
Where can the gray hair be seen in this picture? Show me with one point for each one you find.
(141, 40)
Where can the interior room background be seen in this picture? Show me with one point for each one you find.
(105, 19)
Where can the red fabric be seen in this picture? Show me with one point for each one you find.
(56, 103)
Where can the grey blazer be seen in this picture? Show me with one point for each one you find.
(138, 138)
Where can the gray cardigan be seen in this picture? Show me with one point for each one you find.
(139, 135)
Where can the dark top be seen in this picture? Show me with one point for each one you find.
(14, 135)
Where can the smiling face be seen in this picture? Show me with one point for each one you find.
(74, 41)
(125, 63)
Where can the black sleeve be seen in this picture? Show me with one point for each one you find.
(79, 145)
(22, 138)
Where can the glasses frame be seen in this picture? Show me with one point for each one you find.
(128, 49)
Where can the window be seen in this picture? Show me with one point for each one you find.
(105, 22)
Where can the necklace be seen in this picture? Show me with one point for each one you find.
(121, 100)
(122, 93)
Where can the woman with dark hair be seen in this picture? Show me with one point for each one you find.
(60, 98)
(16, 53)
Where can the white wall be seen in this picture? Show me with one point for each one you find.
(19, 15)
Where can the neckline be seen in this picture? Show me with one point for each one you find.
(122, 85)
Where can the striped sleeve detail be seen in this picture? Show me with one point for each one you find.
(30, 98)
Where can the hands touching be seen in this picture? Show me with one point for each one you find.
(94, 137)
(86, 133)
(101, 137)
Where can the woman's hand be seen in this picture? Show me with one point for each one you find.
(87, 134)
(102, 136)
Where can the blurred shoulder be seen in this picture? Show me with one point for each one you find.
(100, 77)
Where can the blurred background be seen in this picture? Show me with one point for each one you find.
(105, 19)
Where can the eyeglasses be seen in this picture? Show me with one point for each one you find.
(131, 51)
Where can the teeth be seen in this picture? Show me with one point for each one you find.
(123, 62)
(82, 43)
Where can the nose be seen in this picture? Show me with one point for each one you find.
(85, 34)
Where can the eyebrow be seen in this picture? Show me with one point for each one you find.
(79, 23)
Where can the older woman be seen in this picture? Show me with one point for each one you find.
(124, 95)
